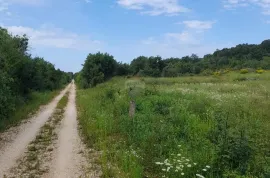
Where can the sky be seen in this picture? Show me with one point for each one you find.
(64, 32)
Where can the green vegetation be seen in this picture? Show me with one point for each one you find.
(98, 68)
(235, 58)
(35, 100)
(243, 58)
(208, 126)
(21, 76)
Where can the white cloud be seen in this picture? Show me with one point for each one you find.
(154, 7)
(263, 4)
(198, 25)
(179, 44)
(6, 4)
(3, 6)
(27, 2)
(48, 36)
(173, 45)
(181, 38)
(231, 4)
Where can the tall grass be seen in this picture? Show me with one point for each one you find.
(189, 127)
(33, 103)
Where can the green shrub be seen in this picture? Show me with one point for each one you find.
(259, 71)
(207, 72)
(244, 71)
(217, 73)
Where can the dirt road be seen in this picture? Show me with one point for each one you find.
(69, 160)
(16, 144)
(48, 145)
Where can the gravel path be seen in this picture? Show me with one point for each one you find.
(14, 142)
(69, 160)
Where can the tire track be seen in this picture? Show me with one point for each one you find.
(71, 160)
(36, 161)
(13, 150)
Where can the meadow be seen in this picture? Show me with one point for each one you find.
(199, 126)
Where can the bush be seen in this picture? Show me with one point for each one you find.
(259, 71)
(207, 72)
(244, 71)
(218, 73)
(97, 68)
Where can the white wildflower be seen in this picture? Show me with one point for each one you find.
(195, 164)
(163, 169)
(189, 165)
(204, 169)
(207, 167)
(168, 169)
(178, 154)
(187, 159)
(179, 145)
(182, 174)
(199, 175)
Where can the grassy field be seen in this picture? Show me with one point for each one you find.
(34, 102)
(216, 126)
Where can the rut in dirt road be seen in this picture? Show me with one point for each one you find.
(15, 148)
(69, 160)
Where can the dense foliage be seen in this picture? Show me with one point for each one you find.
(100, 67)
(241, 56)
(96, 69)
(20, 74)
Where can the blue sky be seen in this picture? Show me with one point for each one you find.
(65, 31)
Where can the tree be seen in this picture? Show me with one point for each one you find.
(20, 74)
(138, 64)
(97, 68)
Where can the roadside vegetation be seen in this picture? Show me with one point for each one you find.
(32, 104)
(216, 126)
(179, 117)
(26, 82)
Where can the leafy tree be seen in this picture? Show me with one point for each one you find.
(20, 74)
(97, 68)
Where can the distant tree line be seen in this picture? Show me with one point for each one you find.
(20, 73)
(100, 67)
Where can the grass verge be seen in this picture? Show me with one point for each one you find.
(22, 112)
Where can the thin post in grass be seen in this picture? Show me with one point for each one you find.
(135, 89)
(132, 109)
(132, 104)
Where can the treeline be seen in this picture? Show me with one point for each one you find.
(21, 74)
(100, 67)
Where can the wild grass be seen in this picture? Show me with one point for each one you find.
(35, 100)
(215, 126)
